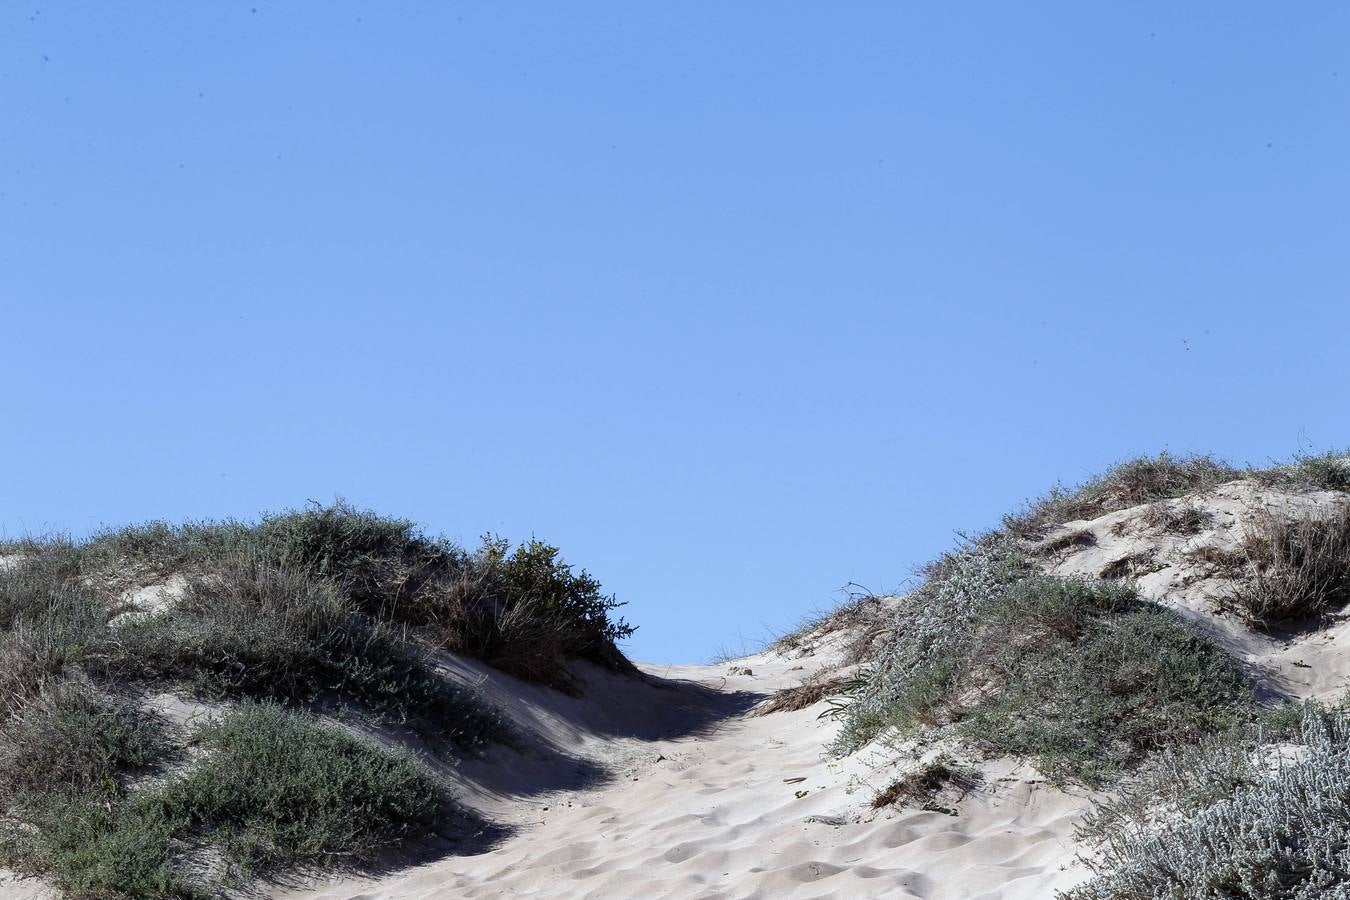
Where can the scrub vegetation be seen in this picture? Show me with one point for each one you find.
(1257, 813)
(288, 627)
(1082, 676)
(1209, 792)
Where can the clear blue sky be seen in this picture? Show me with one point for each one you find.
(736, 302)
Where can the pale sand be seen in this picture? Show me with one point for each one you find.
(705, 811)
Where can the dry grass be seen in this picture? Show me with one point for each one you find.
(1131, 483)
(1183, 518)
(1128, 566)
(1220, 561)
(1298, 568)
(863, 616)
(921, 786)
(808, 693)
(1067, 543)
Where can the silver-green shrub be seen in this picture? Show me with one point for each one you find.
(930, 640)
(1278, 830)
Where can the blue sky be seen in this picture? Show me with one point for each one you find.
(736, 302)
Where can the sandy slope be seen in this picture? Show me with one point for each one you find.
(697, 803)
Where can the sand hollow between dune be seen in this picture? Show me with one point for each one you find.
(665, 787)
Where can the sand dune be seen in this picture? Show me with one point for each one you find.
(667, 785)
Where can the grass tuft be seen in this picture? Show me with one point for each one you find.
(1298, 568)
(921, 786)
(1132, 483)
(808, 693)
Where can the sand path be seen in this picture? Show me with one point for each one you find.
(668, 789)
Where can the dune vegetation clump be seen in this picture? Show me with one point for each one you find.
(1167, 476)
(1299, 568)
(1131, 483)
(1258, 815)
(273, 789)
(1082, 676)
(284, 627)
(921, 786)
(521, 610)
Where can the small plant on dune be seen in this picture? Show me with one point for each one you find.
(380, 562)
(1131, 483)
(808, 693)
(921, 786)
(1298, 568)
(1183, 518)
(1088, 679)
(65, 757)
(70, 740)
(1258, 815)
(51, 622)
(931, 635)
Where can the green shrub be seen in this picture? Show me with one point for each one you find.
(273, 789)
(523, 610)
(70, 740)
(918, 660)
(1086, 678)
(251, 630)
(1082, 676)
(526, 612)
(278, 788)
(65, 757)
(98, 850)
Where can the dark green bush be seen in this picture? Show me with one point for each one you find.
(526, 612)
